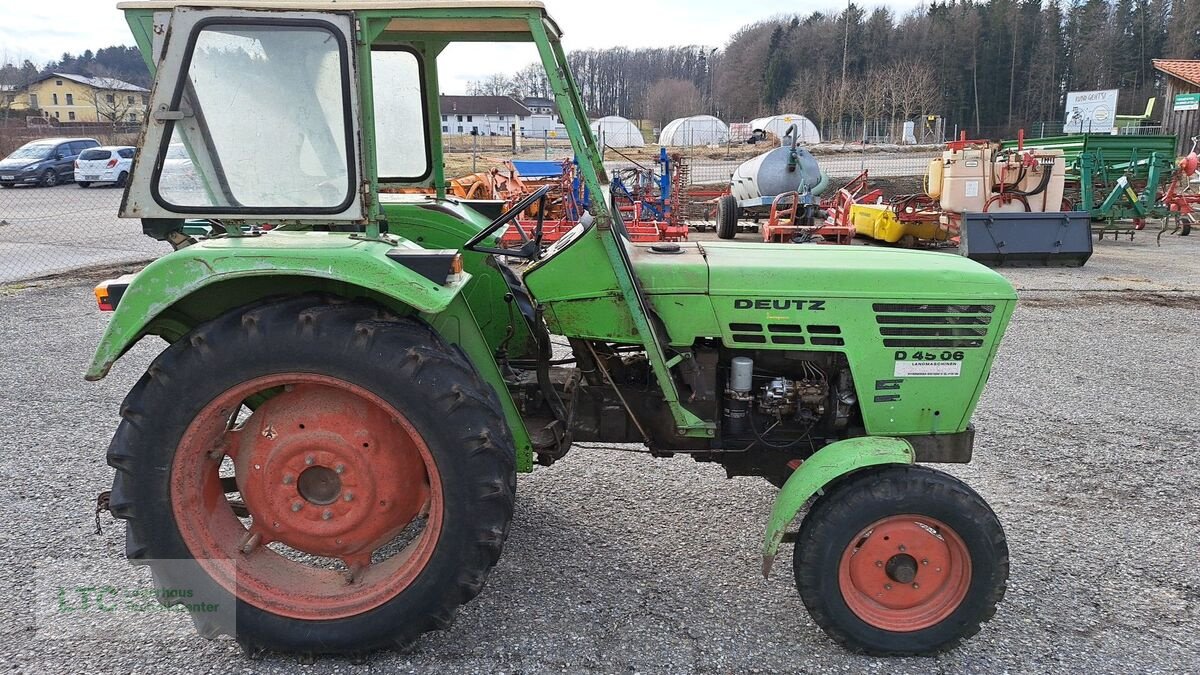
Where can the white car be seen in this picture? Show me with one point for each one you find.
(105, 164)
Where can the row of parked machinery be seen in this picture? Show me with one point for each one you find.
(1008, 203)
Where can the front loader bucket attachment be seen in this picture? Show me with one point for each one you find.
(1053, 239)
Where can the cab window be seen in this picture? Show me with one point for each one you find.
(270, 106)
(401, 134)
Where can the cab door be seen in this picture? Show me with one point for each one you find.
(254, 115)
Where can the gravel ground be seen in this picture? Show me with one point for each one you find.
(620, 563)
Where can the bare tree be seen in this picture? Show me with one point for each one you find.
(666, 100)
(111, 102)
(869, 98)
(912, 89)
(826, 102)
(532, 81)
(495, 85)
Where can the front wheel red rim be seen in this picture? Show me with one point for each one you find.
(340, 500)
(905, 573)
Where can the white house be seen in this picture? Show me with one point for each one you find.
(495, 116)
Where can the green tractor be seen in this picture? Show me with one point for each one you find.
(325, 454)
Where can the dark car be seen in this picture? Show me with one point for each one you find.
(45, 162)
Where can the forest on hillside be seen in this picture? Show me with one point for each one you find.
(122, 63)
(987, 66)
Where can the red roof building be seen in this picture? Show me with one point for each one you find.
(1181, 114)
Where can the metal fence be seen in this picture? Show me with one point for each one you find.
(713, 165)
(50, 230)
(46, 231)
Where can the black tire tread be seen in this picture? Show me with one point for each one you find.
(855, 493)
(727, 217)
(366, 331)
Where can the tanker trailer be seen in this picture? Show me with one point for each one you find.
(761, 181)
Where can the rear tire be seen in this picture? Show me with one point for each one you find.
(727, 217)
(900, 560)
(121, 180)
(82, 184)
(445, 423)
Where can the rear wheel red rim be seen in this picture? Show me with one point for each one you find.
(905, 573)
(340, 500)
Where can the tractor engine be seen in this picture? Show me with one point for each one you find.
(772, 400)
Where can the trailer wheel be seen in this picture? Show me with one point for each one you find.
(365, 496)
(727, 217)
(901, 560)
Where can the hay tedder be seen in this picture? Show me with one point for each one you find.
(324, 456)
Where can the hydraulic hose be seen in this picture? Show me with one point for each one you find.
(822, 185)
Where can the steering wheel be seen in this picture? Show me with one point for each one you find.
(530, 248)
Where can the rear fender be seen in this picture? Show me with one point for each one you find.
(225, 273)
(825, 465)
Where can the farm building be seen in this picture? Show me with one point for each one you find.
(694, 130)
(1181, 114)
(778, 125)
(494, 116)
(617, 132)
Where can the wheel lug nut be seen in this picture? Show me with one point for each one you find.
(310, 460)
(327, 514)
(340, 468)
(287, 479)
(296, 506)
(349, 496)
(925, 561)
(902, 549)
(916, 585)
(879, 563)
(887, 587)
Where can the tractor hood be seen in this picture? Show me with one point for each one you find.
(771, 270)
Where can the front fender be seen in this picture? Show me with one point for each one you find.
(830, 462)
(335, 258)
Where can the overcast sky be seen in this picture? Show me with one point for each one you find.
(42, 31)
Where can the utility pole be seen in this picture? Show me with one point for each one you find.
(846, 43)
(712, 96)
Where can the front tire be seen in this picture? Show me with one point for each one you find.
(49, 178)
(374, 479)
(727, 217)
(901, 560)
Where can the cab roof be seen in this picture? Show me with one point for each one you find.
(355, 5)
(337, 5)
